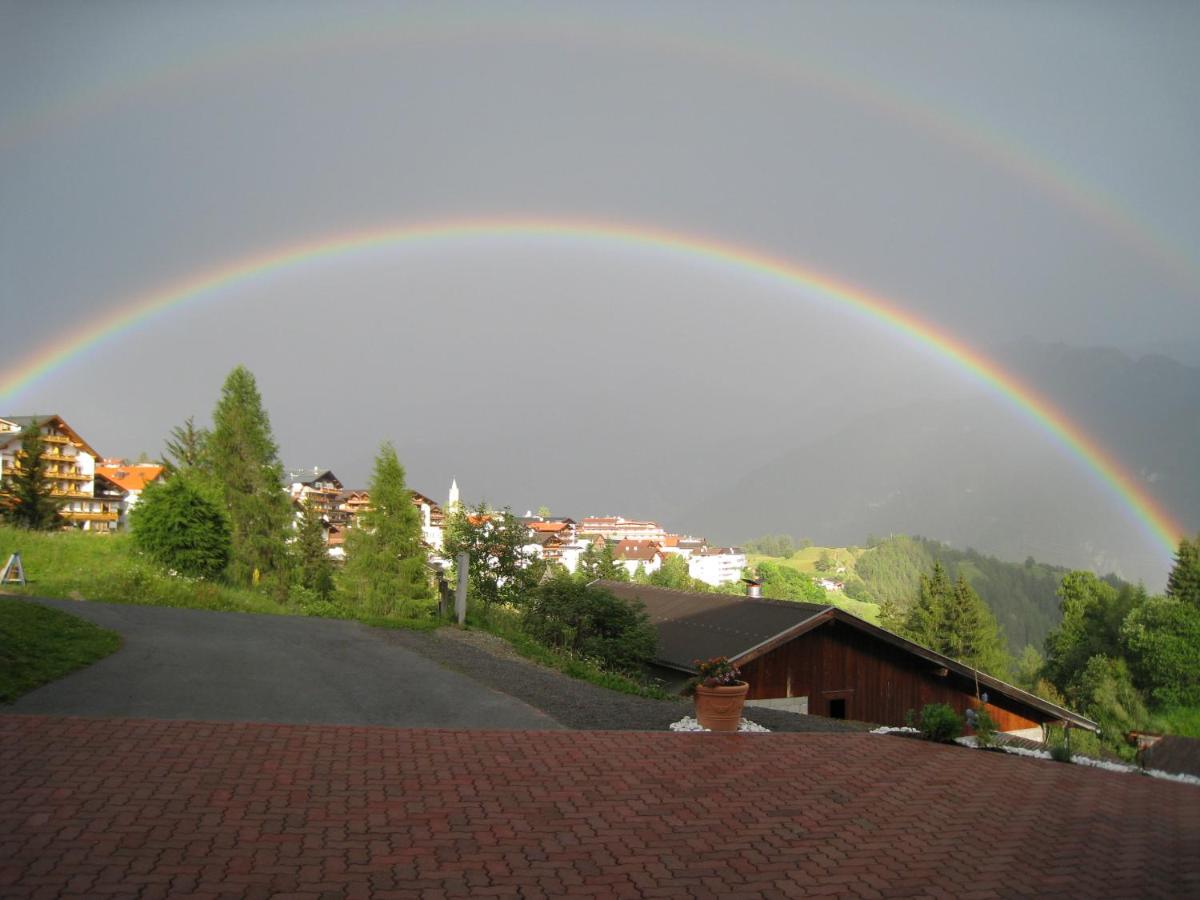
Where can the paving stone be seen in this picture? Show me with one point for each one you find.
(125, 807)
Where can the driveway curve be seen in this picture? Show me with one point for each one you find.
(214, 666)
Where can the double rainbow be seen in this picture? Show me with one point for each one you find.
(1122, 484)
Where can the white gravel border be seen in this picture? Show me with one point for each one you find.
(1105, 764)
(745, 726)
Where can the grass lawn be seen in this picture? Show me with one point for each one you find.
(805, 561)
(76, 566)
(39, 645)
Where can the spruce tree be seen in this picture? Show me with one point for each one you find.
(926, 616)
(385, 570)
(952, 619)
(1183, 583)
(186, 447)
(312, 554)
(180, 524)
(971, 633)
(29, 503)
(245, 462)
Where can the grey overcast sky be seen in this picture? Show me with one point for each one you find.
(1005, 170)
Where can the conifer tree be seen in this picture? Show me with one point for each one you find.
(926, 616)
(185, 447)
(385, 568)
(1183, 583)
(599, 563)
(28, 502)
(953, 620)
(244, 459)
(180, 524)
(312, 554)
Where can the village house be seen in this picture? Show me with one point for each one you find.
(349, 505)
(634, 555)
(616, 528)
(683, 546)
(130, 477)
(570, 554)
(70, 471)
(433, 520)
(315, 488)
(716, 565)
(814, 658)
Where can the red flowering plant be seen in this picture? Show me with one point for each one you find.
(716, 672)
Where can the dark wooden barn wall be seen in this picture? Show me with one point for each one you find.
(880, 683)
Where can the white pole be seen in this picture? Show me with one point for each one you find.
(460, 595)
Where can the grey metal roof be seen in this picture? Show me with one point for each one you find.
(695, 626)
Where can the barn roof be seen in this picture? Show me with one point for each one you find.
(700, 625)
(693, 625)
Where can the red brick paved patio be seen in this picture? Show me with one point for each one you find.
(110, 807)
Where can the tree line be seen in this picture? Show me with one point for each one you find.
(222, 513)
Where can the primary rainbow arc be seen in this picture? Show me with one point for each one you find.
(1125, 486)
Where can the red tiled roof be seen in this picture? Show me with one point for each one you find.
(645, 551)
(131, 478)
(548, 526)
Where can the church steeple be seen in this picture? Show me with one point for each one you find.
(454, 501)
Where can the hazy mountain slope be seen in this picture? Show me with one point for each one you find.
(975, 474)
(1021, 595)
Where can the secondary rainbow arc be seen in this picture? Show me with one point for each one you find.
(953, 128)
(1124, 486)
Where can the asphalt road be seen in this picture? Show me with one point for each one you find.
(212, 666)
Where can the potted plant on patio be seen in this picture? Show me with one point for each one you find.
(719, 693)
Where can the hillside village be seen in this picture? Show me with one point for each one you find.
(98, 494)
(806, 651)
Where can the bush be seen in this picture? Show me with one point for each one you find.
(181, 528)
(982, 724)
(940, 723)
(567, 614)
(1057, 742)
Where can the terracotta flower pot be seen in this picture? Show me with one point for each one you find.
(720, 708)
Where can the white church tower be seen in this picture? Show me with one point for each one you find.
(454, 502)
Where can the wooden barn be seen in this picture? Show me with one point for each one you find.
(822, 660)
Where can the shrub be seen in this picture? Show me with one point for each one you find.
(940, 723)
(982, 724)
(181, 528)
(567, 614)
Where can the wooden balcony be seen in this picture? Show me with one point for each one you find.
(76, 494)
(67, 476)
(58, 456)
(55, 439)
(77, 516)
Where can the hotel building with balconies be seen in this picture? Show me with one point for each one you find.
(70, 471)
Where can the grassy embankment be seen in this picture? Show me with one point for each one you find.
(107, 569)
(505, 624)
(806, 561)
(39, 645)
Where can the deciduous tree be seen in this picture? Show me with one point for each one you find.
(501, 569)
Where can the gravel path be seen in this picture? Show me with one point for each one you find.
(574, 703)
